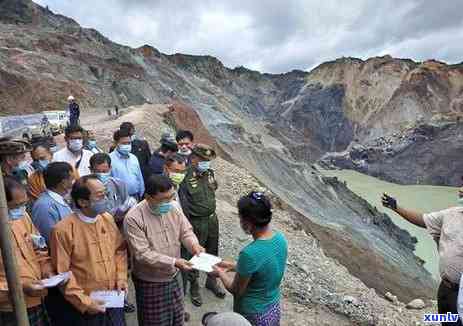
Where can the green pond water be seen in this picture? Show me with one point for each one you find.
(420, 198)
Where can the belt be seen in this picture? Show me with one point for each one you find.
(450, 284)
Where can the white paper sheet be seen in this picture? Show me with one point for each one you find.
(112, 299)
(204, 262)
(55, 280)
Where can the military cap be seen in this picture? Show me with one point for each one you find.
(10, 146)
(204, 151)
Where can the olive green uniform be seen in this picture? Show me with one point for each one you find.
(197, 197)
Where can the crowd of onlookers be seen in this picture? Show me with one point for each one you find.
(104, 215)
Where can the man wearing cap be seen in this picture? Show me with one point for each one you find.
(13, 158)
(158, 159)
(197, 197)
(74, 111)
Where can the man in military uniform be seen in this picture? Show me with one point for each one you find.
(13, 158)
(197, 197)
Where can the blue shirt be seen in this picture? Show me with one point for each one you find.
(264, 262)
(156, 165)
(128, 170)
(47, 211)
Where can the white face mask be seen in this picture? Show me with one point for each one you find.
(75, 145)
(460, 201)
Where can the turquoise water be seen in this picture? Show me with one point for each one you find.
(420, 198)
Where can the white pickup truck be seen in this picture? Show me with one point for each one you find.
(57, 120)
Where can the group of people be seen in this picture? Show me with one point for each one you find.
(100, 215)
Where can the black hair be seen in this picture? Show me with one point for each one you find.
(121, 133)
(11, 184)
(127, 125)
(80, 189)
(182, 134)
(255, 208)
(169, 147)
(175, 158)
(55, 173)
(99, 158)
(41, 144)
(72, 129)
(158, 183)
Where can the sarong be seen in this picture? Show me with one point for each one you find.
(270, 317)
(159, 303)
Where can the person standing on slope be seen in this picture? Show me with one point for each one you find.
(445, 227)
(74, 111)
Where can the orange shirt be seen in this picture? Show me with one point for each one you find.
(32, 263)
(95, 253)
(36, 185)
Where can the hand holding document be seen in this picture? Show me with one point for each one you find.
(112, 299)
(55, 280)
(204, 262)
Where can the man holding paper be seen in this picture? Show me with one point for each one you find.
(90, 246)
(155, 229)
(32, 257)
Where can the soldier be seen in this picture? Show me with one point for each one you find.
(197, 197)
(13, 158)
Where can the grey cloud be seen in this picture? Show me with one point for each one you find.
(278, 36)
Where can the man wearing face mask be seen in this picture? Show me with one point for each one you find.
(445, 227)
(197, 197)
(90, 143)
(155, 229)
(90, 246)
(140, 148)
(13, 158)
(185, 140)
(175, 169)
(41, 156)
(74, 152)
(52, 205)
(125, 165)
(32, 259)
(119, 201)
(158, 159)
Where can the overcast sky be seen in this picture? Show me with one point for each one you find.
(276, 35)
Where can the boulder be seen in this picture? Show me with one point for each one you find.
(416, 304)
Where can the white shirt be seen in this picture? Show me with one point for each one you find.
(65, 155)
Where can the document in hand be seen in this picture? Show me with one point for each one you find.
(204, 262)
(112, 299)
(55, 280)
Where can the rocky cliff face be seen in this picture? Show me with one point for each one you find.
(273, 125)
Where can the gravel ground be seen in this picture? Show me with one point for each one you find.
(317, 290)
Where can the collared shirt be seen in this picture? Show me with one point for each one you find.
(32, 262)
(65, 155)
(48, 210)
(155, 241)
(128, 170)
(95, 253)
(446, 228)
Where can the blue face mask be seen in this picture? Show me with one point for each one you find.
(162, 209)
(203, 166)
(17, 213)
(100, 207)
(92, 144)
(40, 165)
(103, 177)
(22, 166)
(124, 149)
